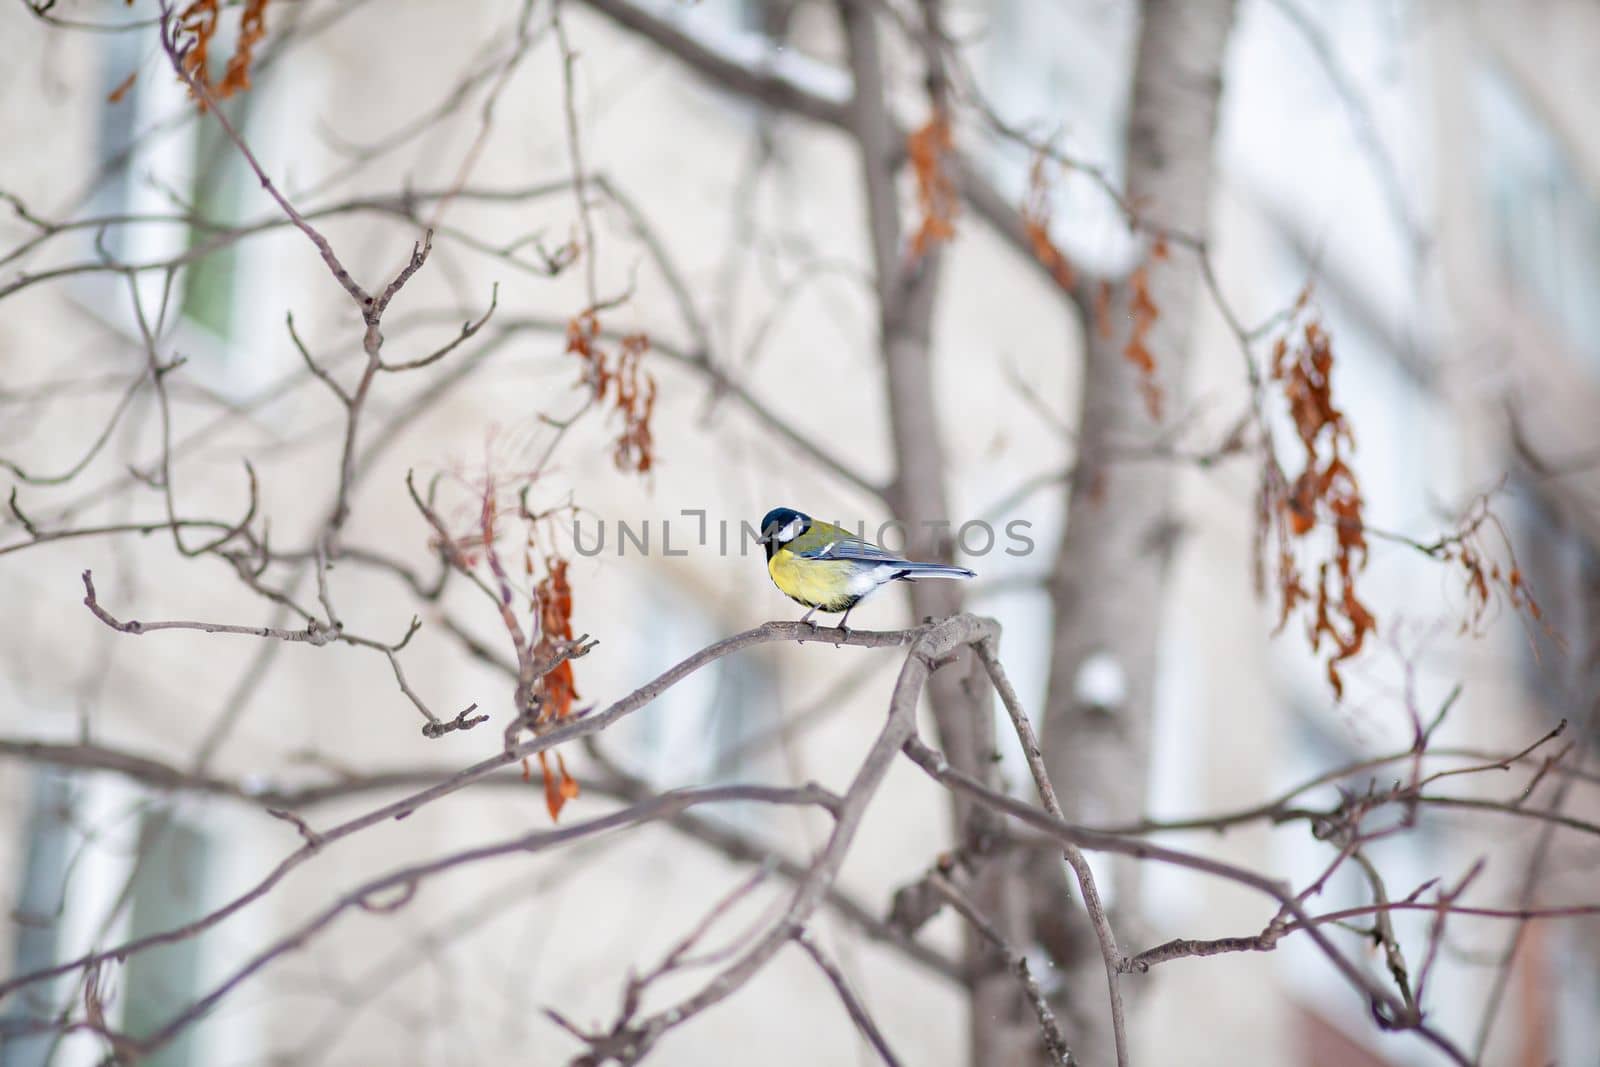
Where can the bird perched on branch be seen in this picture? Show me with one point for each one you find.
(827, 568)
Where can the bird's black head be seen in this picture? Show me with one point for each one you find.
(782, 525)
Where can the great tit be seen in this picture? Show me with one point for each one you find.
(828, 568)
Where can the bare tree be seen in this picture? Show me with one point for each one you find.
(1110, 572)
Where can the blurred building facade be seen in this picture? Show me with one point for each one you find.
(1435, 176)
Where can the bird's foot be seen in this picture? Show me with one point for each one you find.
(807, 620)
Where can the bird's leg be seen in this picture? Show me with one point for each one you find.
(844, 618)
(807, 617)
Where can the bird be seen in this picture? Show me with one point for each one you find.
(827, 568)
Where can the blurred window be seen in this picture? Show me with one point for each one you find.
(769, 18)
(156, 157)
(1563, 571)
(36, 918)
(1037, 62)
(87, 878)
(211, 285)
(1544, 216)
(166, 889)
(1331, 1018)
(700, 731)
(766, 17)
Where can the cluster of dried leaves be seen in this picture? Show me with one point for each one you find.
(1142, 312)
(553, 600)
(546, 689)
(1485, 580)
(619, 381)
(1037, 211)
(199, 23)
(1325, 494)
(1322, 506)
(545, 686)
(928, 148)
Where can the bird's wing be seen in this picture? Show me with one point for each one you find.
(846, 547)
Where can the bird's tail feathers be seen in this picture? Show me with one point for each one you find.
(912, 571)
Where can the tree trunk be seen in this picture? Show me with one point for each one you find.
(1109, 577)
(1002, 1029)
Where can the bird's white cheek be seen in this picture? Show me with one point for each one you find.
(791, 531)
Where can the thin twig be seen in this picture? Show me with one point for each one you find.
(1054, 1041)
(1031, 751)
(852, 1003)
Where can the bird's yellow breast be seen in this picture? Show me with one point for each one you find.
(823, 584)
